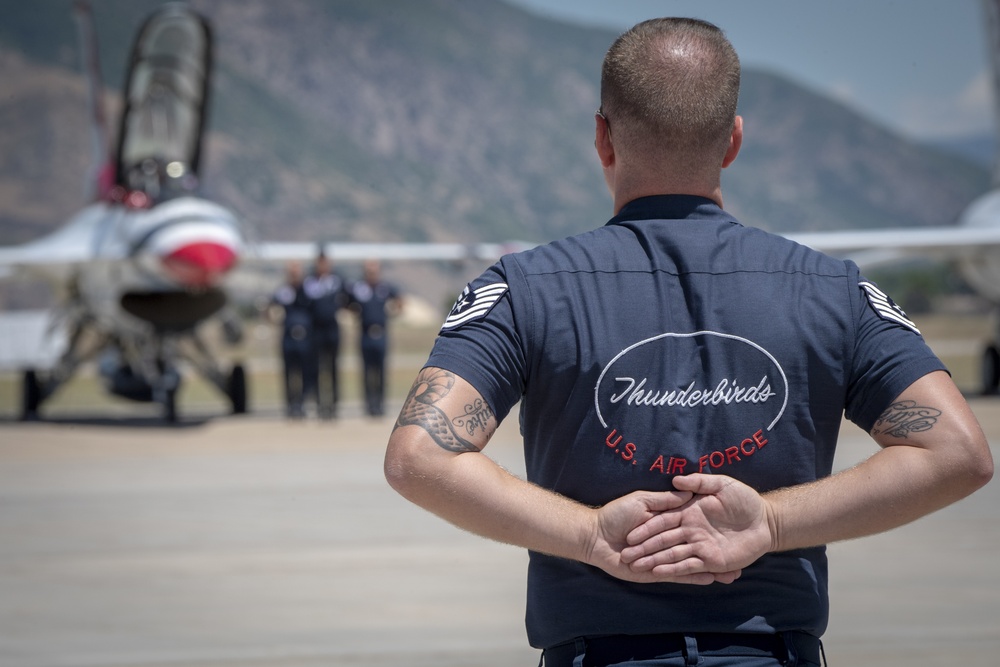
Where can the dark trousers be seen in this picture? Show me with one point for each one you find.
(297, 358)
(327, 378)
(787, 649)
(373, 352)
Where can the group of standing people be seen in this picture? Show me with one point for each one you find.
(310, 342)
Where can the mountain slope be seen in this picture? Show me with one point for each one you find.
(439, 119)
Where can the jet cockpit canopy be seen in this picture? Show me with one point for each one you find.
(166, 94)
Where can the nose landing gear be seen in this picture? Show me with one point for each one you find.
(991, 371)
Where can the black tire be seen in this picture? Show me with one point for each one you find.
(991, 371)
(31, 396)
(238, 390)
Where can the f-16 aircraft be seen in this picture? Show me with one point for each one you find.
(143, 264)
(150, 260)
(973, 243)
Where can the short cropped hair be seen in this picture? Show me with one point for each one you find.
(672, 84)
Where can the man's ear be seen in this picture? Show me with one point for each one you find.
(735, 142)
(602, 141)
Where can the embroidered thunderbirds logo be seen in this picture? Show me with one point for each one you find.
(886, 307)
(669, 372)
(679, 403)
(473, 304)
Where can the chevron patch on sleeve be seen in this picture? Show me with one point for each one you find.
(474, 304)
(885, 307)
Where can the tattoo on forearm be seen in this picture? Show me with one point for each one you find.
(905, 417)
(421, 410)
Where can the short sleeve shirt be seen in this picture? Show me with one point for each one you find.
(675, 340)
(372, 300)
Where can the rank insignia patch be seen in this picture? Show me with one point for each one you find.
(886, 307)
(474, 304)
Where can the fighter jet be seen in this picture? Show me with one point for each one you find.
(973, 243)
(144, 263)
(151, 259)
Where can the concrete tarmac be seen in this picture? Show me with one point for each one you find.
(258, 542)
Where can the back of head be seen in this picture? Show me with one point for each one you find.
(293, 273)
(372, 269)
(669, 89)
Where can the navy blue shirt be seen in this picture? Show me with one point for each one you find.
(675, 340)
(327, 295)
(372, 302)
(297, 323)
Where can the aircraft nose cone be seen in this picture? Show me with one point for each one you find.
(200, 264)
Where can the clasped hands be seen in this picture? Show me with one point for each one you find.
(706, 531)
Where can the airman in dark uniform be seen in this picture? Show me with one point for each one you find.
(327, 295)
(296, 341)
(374, 300)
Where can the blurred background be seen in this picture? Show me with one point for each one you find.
(258, 541)
(440, 120)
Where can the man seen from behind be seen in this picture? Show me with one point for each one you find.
(682, 380)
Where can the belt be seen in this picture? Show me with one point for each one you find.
(613, 649)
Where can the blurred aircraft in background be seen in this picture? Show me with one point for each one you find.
(973, 244)
(150, 260)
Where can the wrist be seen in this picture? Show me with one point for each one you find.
(590, 537)
(773, 522)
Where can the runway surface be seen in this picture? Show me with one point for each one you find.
(258, 542)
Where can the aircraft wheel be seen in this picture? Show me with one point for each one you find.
(991, 371)
(32, 396)
(238, 390)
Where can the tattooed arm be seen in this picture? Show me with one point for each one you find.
(434, 459)
(933, 453)
(467, 431)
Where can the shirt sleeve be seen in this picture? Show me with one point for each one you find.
(479, 342)
(889, 355)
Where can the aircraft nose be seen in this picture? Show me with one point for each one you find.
(200, 263)
(186, 243)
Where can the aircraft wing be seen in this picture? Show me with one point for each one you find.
(273, 252)
(54, 256)
(867, 247)
(875, 247)
(31, 256)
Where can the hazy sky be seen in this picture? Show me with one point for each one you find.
(920, 66)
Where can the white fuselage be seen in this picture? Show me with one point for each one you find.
(982, 269)
(183, 247)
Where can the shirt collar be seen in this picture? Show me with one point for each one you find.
(670, 207)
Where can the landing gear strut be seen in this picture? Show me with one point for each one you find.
(32, 396)
(991, 371)
(237, 390)
(170, 406)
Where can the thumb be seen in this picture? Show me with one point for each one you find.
(661, 501)
(700, 484)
